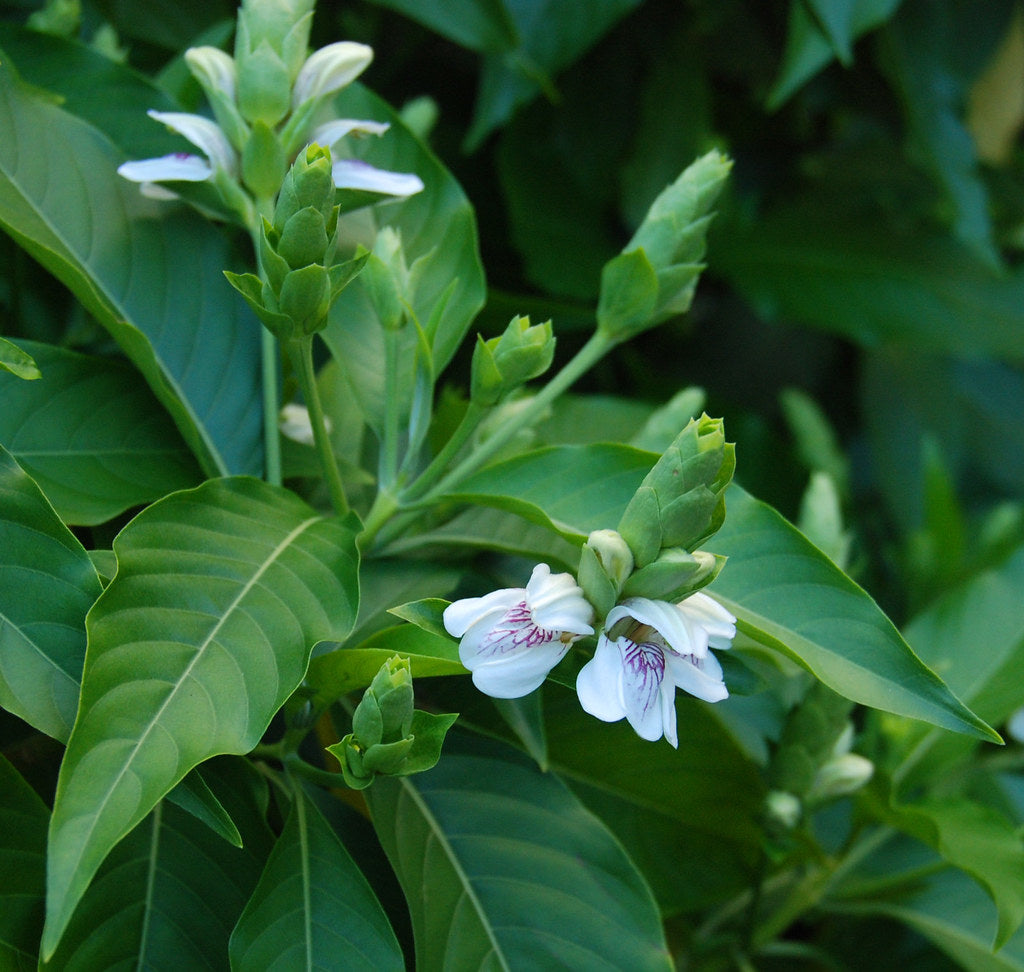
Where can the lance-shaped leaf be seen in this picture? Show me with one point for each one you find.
(504, 868)
(17, 361)
(151, 277)
(47, 584)
(23, 818)
(312, 908)
(786, 594)
(92, 436)
(203, 633)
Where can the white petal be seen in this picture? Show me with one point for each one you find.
(643, 673)
(557, 603)
(668, 713)
(712, 617)
(513, 676)
(703, 680)
(599, 683)
(329, 69)
(334, 131)
(355, 174)
(214, 69)
(460, 616)
(674, 625)
(168, 168)
(203, 133)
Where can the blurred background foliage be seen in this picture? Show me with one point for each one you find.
(863, 310)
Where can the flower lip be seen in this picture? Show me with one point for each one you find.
(203, 133)
(179, 167)
(356, 174)
(512, 638)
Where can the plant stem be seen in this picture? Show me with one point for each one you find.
(271, 408)
(301, 351)
(388, 466)
(470, 420)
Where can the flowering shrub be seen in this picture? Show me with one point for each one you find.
(320, 571)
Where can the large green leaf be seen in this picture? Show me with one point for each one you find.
(503, 868)
(438, 228)
(169, 894)
(480, 25)
(977, 840)
(873, 284)
(48, 585)
(687, 816)
(150, 274)
(552, 35)
(974, 638)
(570, 489)
(203, 633)
(92, 436)
(23, 819)
(788, 595)
(312, 907)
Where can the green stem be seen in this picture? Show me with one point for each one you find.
(388, 468)
(271, 408)
(595, 349)
(301, 350)
(301, 768)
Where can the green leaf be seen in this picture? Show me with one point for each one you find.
(977, 840)
(809, 48)
(49, 583)
(166, 898)
(569, 489)
(875, 286)
(23, 819)
(344, 670)
(504, 868)
(206, 629)
(93, 437)
(194, 795)
(150, 275)
(788, 595)
(480, 25)
(17, 361)
(439, 240)
(835, 19)
(312, 907)
(689, 817)
(974, 638)
(552, 35)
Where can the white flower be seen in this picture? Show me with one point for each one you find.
(512, 638)
(657, 647)
(295, 423)
(330, 69)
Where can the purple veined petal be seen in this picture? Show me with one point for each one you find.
(676, 628)
(700, 677)
(332, 132)
(460, 616)
(330, 69)
(643, 671)
(355, 174)
(203, 133)
(512, 677)
(179, 167)
(599, 683)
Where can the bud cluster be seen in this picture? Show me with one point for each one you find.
(389, 736)
(503, 364)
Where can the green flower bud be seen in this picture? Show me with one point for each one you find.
(681, 501)
(389, 737)
(503, 364)
(264, 87)
(304, 239)
(263, 162)
(840, 777)
(308, 183)
(782, 811)
(606, 563)
(675, 574)
(386, 279)
(305, 298)
(284, 25)
(656, 274)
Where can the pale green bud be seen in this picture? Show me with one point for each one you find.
(283, 24)
(782, 810)
(217, 75)
(675, 574)
(839, 777)
(264, 87)
(606, 563)
(309, 182)
(386, 279)
(329, 70)
(502, 364)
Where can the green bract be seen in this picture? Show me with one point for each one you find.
(503, 364)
